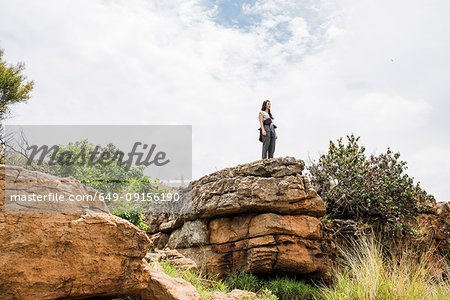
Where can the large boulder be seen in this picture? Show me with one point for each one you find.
(260, 217)
(73, 255)
(50, 256)
(273, 185)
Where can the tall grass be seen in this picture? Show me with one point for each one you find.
(365, 274)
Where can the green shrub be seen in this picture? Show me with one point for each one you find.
(374, 188)
(132, 213)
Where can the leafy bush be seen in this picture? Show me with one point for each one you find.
(132, 213)
(367, 188)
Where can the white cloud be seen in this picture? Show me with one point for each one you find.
(385, 111)
(378, 69)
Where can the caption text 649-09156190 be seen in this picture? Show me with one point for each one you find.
(140, 197)
(130, 197)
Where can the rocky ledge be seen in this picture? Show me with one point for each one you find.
(260, 217)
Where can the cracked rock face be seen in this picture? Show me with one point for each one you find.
(74, 255)
(260, 217)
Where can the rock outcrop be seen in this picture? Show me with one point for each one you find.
(74, 255)
(434, 227)
(260, 217)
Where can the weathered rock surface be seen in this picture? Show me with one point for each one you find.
(49, 256)
(434, 228)
(74, 255)
(260, 217)
(274, 185)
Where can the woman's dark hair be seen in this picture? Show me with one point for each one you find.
(263, 108)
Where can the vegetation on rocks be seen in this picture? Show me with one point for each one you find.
(132, 213)
(374, 188)
(266, 289)
(362, 273)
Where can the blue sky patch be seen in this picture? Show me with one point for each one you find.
(230, 13)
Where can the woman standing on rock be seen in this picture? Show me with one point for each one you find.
(268, 130)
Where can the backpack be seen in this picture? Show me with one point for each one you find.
(260, 133)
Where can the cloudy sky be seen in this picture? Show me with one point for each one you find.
(378, 69)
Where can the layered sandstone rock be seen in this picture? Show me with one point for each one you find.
(260, 217)
(73, 255)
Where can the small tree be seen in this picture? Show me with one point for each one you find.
(13, 89)
(13, 85)
(374, 188)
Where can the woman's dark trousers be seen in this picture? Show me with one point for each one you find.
(268, 147)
